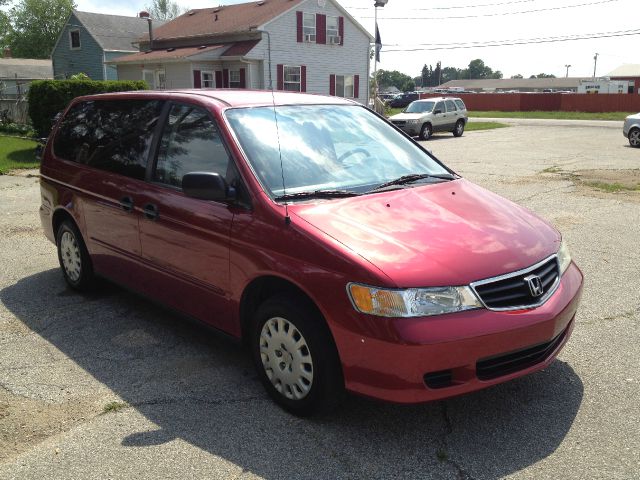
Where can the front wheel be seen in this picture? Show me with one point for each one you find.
(296, 357)
(425, 133)
(458, 130)
(634, 137)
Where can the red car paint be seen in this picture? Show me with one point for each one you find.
(199, 257)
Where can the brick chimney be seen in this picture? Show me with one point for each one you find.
(6, 53)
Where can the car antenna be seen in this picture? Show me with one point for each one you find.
(287, 218)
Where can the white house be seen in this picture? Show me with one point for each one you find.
(310, 46)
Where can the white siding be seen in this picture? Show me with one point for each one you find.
(321, 61)
(129, 72)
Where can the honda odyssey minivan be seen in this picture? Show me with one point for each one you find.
(345, 256)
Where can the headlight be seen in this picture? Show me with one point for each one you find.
(412, 302)
(564, 257)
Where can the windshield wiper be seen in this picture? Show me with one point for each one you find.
(317, 194)
(413, 177)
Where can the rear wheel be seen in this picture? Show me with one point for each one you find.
(73, 257)
(458, 130)
(634, 137)
(295, 356)
(426, 132)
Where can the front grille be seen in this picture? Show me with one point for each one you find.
(513, 291)
(498, 366)
(399, 123)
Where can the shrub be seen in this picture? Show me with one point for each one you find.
(17, 129)
(49, 97)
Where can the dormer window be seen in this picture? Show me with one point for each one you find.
(74, 39)
(309, 27)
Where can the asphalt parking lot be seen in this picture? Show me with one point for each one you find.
(109, 385)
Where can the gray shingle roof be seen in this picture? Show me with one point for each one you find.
(25, 68)
(115, 32)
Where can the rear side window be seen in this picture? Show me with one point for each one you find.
(109, 135)
(461, 105)
(451, 107)
(190, 143)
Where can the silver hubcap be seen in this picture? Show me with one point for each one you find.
(634, 138)
(286, 358)
(459, 128)
(70, 253)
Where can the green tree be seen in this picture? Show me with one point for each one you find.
(36, 25)
(477, 69)
(5, 28)
(451, 73)
(387, 78)
(517, 76)
(165, 10)
(543, 75)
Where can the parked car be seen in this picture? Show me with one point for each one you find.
(340, 251)
(402, 100)
(423, 118)
(631, 129)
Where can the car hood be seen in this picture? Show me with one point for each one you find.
(408, 116)
(450, 233)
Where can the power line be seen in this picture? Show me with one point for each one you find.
(507, 43)
(502, 14)
(513, 2)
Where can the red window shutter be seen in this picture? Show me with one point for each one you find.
(299, 26)
(225, 78)
(321, 29)
(243, 78)
(197, 79)
(218, 79)
(356, 86)
(332, 84)
(280, 77)
(303, 78)
(341, 29)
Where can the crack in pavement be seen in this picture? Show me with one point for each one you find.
(461, 473)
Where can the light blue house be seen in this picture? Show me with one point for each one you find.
(89, 40)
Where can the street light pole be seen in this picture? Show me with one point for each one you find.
(378, 3)
(567, 67)
(595, 63)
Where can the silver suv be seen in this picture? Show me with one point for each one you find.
(424, 117)
(631, 129)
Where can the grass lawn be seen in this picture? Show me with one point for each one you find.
(472, 126)
(553, 115)
(17, 153)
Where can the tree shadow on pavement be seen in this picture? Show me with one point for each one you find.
(200, 388)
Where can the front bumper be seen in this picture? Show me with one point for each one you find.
(412, 129)
(437, 357)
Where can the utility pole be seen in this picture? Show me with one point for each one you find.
(567, 67)
(595, 64)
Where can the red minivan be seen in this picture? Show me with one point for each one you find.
(345, 255)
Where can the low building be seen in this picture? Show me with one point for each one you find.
(310, 46)
(516, 85)
(89, 40)
(16, 74)
(629, 72)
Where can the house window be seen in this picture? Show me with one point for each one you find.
(344, 86)
(207, 80)
(333, 35)
(292, 77)
(234, 79)
(161, 79)
(74, 39)
(309, 27)
(149, 77)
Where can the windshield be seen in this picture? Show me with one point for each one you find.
(325, 147)
(419, 107)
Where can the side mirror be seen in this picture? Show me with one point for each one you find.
(207, 186)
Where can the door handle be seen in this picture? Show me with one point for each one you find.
(150, 211)
(126, 203)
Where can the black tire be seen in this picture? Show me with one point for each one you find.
(426, 131)
(325, 390)
(458, 130)
(634, 137)
(74, 258)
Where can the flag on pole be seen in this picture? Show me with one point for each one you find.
(378, 43)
